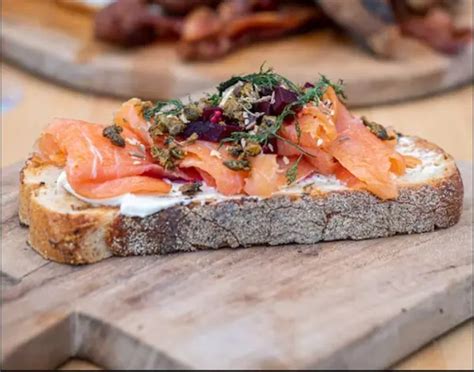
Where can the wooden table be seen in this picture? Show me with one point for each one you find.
(445, 120)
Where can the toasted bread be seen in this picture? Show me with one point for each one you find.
(65, 229)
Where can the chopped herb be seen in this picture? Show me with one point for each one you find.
(298, 131)
(171, 107)
(190, 189)
(167, 157)
(292, 172)
(192, 112)
(112, 132)
(214, 99)
(237, 165)
(166, 123)
(190, 140)
(338, 87)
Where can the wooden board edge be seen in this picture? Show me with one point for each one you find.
(394, 341)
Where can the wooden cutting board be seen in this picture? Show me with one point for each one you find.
(357, 304)
(57, 42)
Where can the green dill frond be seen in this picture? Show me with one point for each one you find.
(171, 107)
(292, 172)
(265, 78)
(338, 87)
(214, 99)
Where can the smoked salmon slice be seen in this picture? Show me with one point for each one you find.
(120, 186)
(365, 156)
(207, 158)
(91, 159)
(130, 116)
(321, 161)
(268, 174)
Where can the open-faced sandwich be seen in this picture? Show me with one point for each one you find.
(262, 161)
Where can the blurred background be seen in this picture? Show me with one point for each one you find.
(407, 63)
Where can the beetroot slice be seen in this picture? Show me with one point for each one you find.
(209, 112)
(270, 147)
(209, 131)
(283, 97)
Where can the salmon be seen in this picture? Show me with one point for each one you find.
(318, 125)
(91, 160)
(321, 161)
(342, 174)
(316, 128)
(411, 161)
(266, 177)
(130, 116)
(365, 156)
(268, 174)
(119, 186)
(207, 158)
(304, 169)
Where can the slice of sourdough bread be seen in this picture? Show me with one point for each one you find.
(65, 229)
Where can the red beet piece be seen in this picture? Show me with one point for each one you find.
(209, 131)
(270, 147)
(209, 112)
(283, 97)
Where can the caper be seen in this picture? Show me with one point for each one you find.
(192, 112)
(377, 129)
(237, 165)
(112, 132)
(190, 189)
(177, 153)
(235, 150)
(252, 149)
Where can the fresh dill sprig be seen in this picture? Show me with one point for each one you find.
(214, 99)
(171, 107)
(292, 172)
(298, 131)
(265, 78)
(323, 84)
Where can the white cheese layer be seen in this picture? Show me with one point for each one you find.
(144, 205)
(432, 166)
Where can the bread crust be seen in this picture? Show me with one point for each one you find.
(70, 231)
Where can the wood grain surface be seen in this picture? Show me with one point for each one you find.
(346, 304)
(58, 42)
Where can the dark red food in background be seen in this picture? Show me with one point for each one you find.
(134, 22)
(208, 29)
